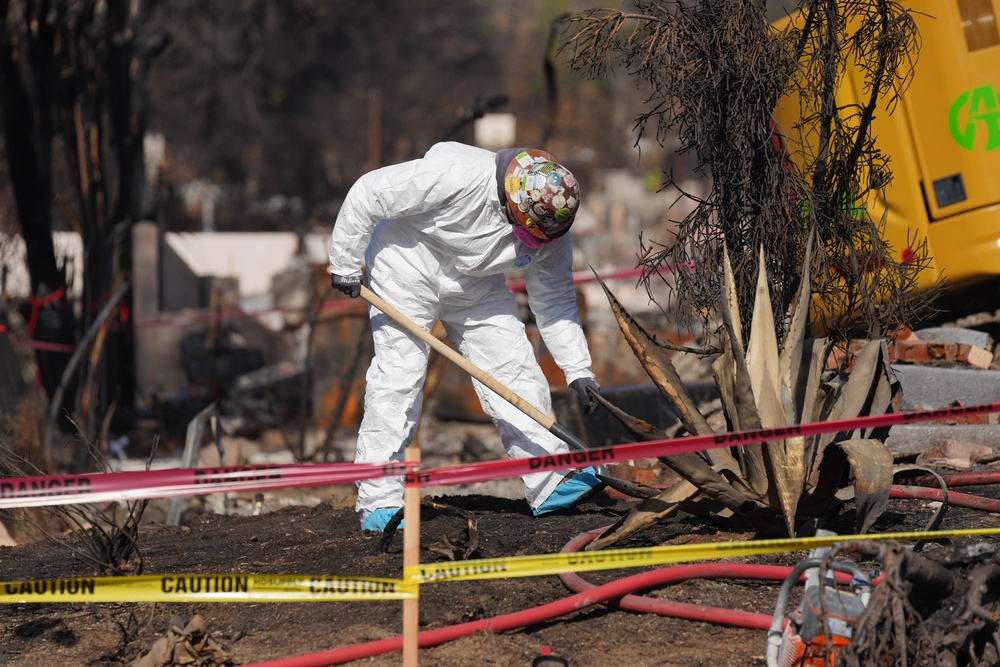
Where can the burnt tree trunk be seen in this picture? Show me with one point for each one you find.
(81, 74)
(26, 110)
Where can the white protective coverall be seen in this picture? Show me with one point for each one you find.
(437, 242)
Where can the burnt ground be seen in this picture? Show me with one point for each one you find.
(325, 539)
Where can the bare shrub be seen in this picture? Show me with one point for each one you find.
(104, 536)
(713, 72)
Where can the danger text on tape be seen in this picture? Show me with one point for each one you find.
(119, 486)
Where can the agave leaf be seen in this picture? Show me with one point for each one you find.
(811, 399)
(887, 397)
(689, 466)
(729, 301)
(813, 393)
(762, 355)
(787, 456)
(733, 379)
(713, 484)
(725, 382)
(737, 474)
(647, 513)
(871, 465)
(795, 368)
(868, 371)
(658, 366)
(825, 489)
(857, 396)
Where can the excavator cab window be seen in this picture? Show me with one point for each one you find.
(979, 23)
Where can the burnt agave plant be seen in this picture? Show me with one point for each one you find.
(791, 482)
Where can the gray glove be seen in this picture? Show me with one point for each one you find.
(349, 285)
(580, 386)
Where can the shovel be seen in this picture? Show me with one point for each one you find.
(473, 370)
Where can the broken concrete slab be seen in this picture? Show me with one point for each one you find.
(912, 439)
(932, 387)
(954, 454)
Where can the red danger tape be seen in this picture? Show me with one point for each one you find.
(102, 487)
(481, 472)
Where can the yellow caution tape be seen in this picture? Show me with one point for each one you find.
(207, 588)
(317, 588)
(614, 559)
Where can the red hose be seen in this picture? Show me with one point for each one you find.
(954, 497)
(959, 478)
(617, 592)
(519, 619)
(678, 573)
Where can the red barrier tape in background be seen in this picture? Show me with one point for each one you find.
(335, 305)
(205, 318)
(581, 277)
(99, 487)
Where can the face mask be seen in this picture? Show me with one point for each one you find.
(525, 237)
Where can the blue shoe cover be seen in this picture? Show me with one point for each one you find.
(570, 491)
(377, 520)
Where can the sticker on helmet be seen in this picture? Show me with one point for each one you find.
(535, 182)
(542, 195)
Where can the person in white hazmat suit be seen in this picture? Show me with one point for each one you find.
(437, 234)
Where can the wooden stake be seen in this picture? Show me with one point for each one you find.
(411, 558)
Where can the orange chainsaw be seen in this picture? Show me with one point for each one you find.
(808, 636)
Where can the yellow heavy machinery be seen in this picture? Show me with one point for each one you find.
(943, 139)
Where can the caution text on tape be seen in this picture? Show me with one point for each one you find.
(207, 588)
(317, 588)
(613, 559)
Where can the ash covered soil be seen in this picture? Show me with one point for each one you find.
(325, 540)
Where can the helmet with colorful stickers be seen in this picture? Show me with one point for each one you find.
(542, 195)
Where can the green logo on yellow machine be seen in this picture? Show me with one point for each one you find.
(974, 113)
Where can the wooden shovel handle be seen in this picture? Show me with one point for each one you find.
(462, 362)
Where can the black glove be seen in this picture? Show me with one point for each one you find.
(349, 285)
(580, 386)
